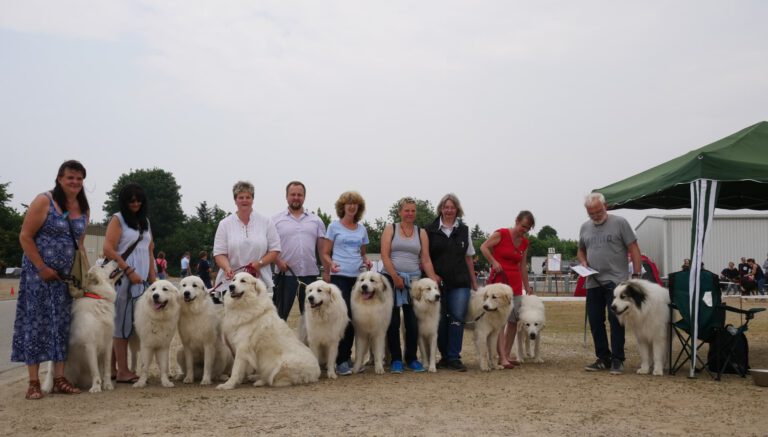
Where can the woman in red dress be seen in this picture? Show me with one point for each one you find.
(507, 251)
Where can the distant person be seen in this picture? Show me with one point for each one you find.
(744, 267)
(53, 228)
(186, 270)
(765, 265)
(301, 234)
(161, 265)
(204, 269)
(730, 274)
(604, 241)
(507, 251)
(686, 265)
(757, 274)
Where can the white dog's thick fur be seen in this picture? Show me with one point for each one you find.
(425, 298)
(372, 301)
(531, 320)
(261, 339)
(644, 307)
(90, 333)
(325, 318)
(489, 308)
(155, 320)
(203, 354)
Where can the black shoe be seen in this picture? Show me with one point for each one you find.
(617, 367)
(442, 364)
(597, 366)
(457, 365)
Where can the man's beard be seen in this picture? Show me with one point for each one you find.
(295, 206)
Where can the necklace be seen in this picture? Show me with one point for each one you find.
(405, 234)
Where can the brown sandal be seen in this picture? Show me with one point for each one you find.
(61, 385)
(33, 391)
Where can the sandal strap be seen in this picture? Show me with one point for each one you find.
(61, 385)
(33, 391)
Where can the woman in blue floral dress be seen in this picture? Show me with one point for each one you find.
(43, 309)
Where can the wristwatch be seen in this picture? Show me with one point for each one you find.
(636, 275)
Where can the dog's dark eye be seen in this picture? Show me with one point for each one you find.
(535, 324)
(165, 289)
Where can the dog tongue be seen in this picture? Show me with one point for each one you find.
(159, 305)
(367, 295)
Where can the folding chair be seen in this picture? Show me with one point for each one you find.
(711, 323)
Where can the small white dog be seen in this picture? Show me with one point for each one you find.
(203, 354)
(325, 319)
(425, 298)
(156, 317)
(261, 339)
(489, 308)
(372, 300)
(531, 320)
(90, 332)
(644, 307)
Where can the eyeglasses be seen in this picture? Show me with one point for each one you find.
(134, 201)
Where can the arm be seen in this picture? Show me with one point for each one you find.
(386, 257)
(33, 221)
(487, 249)
(581, 254)
(366, 262)
(220, 256)
(634, 253)
(152, 277)
(325, 255)
(426, 260)
(111, 241)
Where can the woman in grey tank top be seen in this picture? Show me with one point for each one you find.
(404, 259)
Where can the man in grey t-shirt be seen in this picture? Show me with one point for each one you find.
(604, 241)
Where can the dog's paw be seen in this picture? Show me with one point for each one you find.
(165, 382)
(538, 360)
(258, 383)
(332, 375)
(658, 372)
(224, 386)
(179, 376)
(205, 381)
(107, 385)
(432, 369)
(188, 379)
(379, 370)
(253, 377)
(643, 371)
(95, 388)
(141, 383)
(498, 367)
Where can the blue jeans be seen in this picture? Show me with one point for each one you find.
(450, 333)
(598, 301)
(286, 294)
(345, 284)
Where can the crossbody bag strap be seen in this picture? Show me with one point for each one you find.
(128, 251)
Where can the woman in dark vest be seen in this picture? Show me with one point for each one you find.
(451, 251)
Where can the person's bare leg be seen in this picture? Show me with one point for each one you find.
(121, 357)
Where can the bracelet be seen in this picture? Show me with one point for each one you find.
(636, 275)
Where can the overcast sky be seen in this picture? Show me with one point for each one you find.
(510, 105)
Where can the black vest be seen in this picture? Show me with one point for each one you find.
(448, 255)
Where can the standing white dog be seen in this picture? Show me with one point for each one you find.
(531, 320)
(489, 308)
(200, 334)
(325, 320)
(372, 300)
(425, 298)
(90, 332)
(156, 318)
(644, 307)
(262, 339)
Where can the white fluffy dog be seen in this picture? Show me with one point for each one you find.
(425, 298)
(204, 354)
(531, 320)
(644, 307)
(372, 300)
(155, 319)
(325, 319)
(90, 332)
(261, 339)
(489, 308)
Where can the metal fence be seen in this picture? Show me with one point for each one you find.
(555, 284)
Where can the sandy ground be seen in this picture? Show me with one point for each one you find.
(553, 398)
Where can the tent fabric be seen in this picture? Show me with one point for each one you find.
(738, 161)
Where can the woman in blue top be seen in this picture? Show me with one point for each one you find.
(346, 239)
(54, 221)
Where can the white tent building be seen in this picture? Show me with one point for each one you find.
(666, 239)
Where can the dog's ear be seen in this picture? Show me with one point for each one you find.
(92, 279)
(417, 290)
(635, 292)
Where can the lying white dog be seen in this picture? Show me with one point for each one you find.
(155, 319)
(644, 307)
(325, 319)
(425, 298)
(372, 300)
(261, 339)
(489, 309)
(531, 320)
(203, 354)
(90, 332)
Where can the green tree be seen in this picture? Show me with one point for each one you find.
(326, 218)
(374, 235)
(10, 227)
(547, 232)
(478, 237)
(425, 213)
(195, 234)
(163, 196)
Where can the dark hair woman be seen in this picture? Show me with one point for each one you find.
(54, 221)
(129, 227)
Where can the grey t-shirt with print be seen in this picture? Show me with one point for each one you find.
(606, 248)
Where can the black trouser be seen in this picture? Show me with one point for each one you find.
(345, 284)
(411, 334)
(285, 294)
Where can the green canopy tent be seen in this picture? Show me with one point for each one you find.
(731, 173)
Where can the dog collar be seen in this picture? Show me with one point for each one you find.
(92, 296)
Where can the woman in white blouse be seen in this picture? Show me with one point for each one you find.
(245, 240)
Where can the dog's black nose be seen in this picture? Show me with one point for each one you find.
(437, 297)
(533, 336)
(613, 308)
(311, 299)
(364, 287)
(155, 297)
(186, 294)
(231, 287)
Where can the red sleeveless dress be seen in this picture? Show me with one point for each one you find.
(509, 256)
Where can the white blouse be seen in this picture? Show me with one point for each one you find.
(243, 244)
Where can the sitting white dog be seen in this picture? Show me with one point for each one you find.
(531, 320)
(156, 317)
(325, 320)
(489, 308)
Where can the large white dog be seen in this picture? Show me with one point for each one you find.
(372, 301)
(261, 339)
(489, 309)
(644, 307)
(531, 320)
(425, 298)
(90, 332)
(155, 319)
(325, 319)
(203, 354)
